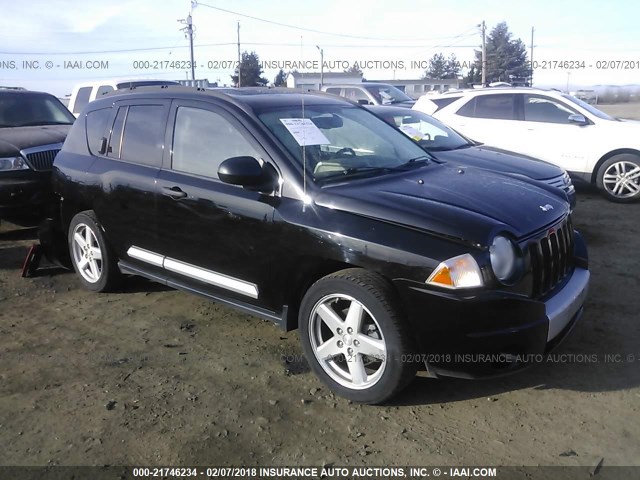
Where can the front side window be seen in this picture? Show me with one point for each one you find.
(349, 141)
(203, 139)
(538, 108)
(143, 135)
(497, 107)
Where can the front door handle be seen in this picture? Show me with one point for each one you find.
(174, 192)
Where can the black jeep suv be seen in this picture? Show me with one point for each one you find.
(308, 210)
(33, 126)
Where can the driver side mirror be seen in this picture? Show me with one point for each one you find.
(362, 101)
(248, 173)
(578, 119)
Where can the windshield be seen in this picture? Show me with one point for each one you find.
(430, 134)
(590, 108)
(387, 94)
(341, 141)
(24, 109)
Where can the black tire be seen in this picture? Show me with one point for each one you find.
(381, 309)
(105, 276)
(607, 186)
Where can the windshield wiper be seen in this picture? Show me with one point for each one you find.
(355, 171)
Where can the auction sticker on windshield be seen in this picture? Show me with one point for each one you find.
(305, 131)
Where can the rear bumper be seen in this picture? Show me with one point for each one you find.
(492, 333)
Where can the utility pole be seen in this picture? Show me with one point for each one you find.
(531, 59)
(484, 54)
(321, 66)
(189, 31)
(239, 58)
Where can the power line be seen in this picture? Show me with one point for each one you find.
(344, 35)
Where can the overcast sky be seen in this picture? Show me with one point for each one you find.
(122, 32)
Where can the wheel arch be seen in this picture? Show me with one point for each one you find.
(607, 156)
(308, 271)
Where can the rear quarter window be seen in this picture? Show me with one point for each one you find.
(443, 102)
(96, 128)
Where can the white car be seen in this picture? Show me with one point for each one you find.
(591, 145)
(84, 93)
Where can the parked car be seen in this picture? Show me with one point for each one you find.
(591, 145)
(33, 126)
(310, 211)
(371, 93)
(448, 145)
(84, 93)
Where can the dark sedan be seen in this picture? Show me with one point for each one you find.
(449, 146)
(33, 126)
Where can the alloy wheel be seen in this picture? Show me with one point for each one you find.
(87, 254)
(347, 341)
(622, 179)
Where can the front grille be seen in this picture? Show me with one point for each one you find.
(562, 181)
(551, 257)
(41, 158)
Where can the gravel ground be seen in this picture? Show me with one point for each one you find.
(156, 376)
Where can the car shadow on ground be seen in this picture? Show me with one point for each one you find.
(593, 371)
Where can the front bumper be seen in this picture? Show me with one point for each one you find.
(24, 196)
(491, 333)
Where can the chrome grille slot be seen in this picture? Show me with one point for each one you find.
(43, 160)
(550, 256)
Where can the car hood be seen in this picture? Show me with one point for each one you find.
(12, 140)
(469, 204)
(491, 158)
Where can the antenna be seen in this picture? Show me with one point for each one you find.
(304, 140)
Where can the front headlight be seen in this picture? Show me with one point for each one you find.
(457, 272)
(13, 163)
(503, 258)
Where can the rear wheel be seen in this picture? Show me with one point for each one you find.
(619, 178)
(354, 338)
(91, 256)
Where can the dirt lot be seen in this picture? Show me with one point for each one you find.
(155, 376)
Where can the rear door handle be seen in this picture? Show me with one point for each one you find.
(174, 192)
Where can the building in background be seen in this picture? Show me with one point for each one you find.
(203, 83)
(311, 80)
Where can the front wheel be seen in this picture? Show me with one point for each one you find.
(619, 178)
(91, 256)
(354, 338)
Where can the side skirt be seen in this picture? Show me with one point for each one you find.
(279, 319)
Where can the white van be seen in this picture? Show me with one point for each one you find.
(84, 93)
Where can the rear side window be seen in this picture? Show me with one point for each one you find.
(143, 135)
(202, 140)
(499, 107)
(82, 98)
(96, 128)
